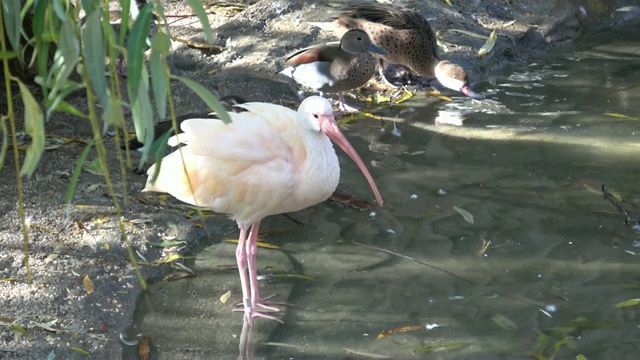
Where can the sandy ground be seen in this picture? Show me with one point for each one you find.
(55, 310)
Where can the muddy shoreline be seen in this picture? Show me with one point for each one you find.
(55, 309)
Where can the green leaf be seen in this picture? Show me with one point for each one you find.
(158, 149)
(66, 57)
(59, 9)
(94, 55)
(449, 346)
(64, 106)
(25, 8)
(488, 45)
(76, 172)
(620, 116)
(627, 303)
(20, 329)
(143, 116)
(541, 346)
(136, 44)
(212, 102)
(12, 23)
(94, 167)
(66, 90)
(34, 126)
(5, 140)
(113, 114)
(198, 9)
(8, 54)
(80, 351)
(159, 47)
(504, 322)
(560, 343)
(296, 276)
(124, 21)
(38, 19)
(165, 243)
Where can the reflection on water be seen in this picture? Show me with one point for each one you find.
(523, 170)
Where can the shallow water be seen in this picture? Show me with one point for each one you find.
(527, 165)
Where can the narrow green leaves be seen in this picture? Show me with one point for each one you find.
(160, 82)
(627, 303)
(8, 54)
(76, 172)
(12, 23)
(136, 44)
(198, 9)
(5, 140)
(488, 45)
(34, 126)
(94, 55)
(65, 60)
(143, 115)
(207, 97)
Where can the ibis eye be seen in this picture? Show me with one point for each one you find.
(316, 116)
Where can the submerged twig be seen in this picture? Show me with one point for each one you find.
(618, 204)
(444, 271)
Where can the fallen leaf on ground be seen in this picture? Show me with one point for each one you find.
(488, 45)
(225, 297)
(88, 284)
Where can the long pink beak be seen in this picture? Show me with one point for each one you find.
(331, 129)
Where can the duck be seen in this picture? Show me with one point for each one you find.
(334, 67)
(407, 40)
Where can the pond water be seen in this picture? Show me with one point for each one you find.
(521, 173)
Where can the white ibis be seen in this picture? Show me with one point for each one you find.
(268, 160)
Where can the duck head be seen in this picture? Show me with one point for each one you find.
(454, 77)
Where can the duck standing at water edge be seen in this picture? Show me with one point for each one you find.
(335, 67)
(407, 39)
(268, 160)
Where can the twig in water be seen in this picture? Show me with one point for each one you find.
(446, 272)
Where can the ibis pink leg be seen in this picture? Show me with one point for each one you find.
(241, 259)
(246, 259)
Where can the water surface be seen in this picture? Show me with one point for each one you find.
(528, 165)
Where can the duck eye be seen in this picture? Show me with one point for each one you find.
(359, 39)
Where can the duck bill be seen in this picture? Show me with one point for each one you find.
(470, 93)
(374, 49)
(329, 127)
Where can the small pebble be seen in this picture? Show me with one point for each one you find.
(413, 197)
